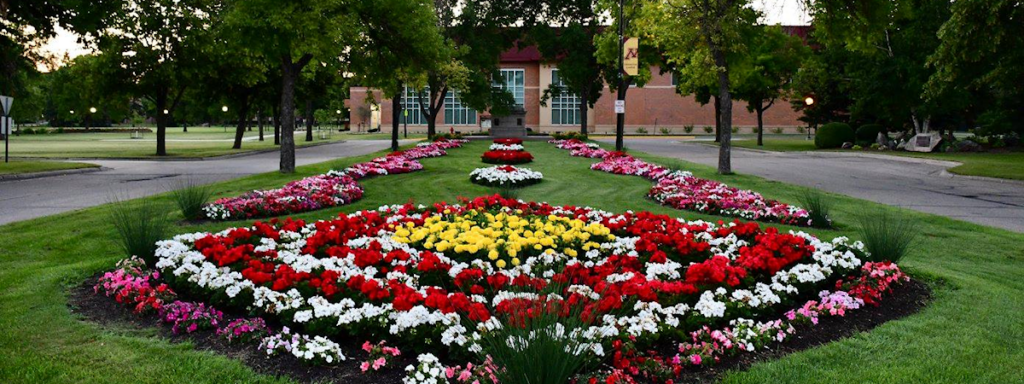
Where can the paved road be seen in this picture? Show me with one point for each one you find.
(27, 199)
(907, 183)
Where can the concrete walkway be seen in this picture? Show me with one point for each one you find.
(921, 185)
(28, 199)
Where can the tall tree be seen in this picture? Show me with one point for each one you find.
(773, 58)
(571, 46)
(158, 46)
(395, 52)
(981, 49)
(293, 34)
(684, 28)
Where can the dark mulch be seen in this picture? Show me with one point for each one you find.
(905, 300)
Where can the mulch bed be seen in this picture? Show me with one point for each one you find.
(905, 300)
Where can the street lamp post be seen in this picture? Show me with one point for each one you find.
(337, 120)
(809, 101)
(88, 118)
(620, 118)
(405, 127)
(225, 110)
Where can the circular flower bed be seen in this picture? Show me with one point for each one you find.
(507, 147)
(447, 278)
(505, 176)
(507, 157)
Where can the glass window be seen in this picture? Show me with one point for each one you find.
(411, 103)
(565, 109)
(514, 81)
(455, 113)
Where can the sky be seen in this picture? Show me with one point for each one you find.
(785, 12)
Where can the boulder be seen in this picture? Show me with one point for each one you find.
(847, 145)
(967, 146)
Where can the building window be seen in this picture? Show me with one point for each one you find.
(514, 81)
(456, 113)
(411, 103)
(565, 109)
(675, 80)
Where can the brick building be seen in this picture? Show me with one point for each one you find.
(526, 76)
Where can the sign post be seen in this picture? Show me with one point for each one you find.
(5, 124)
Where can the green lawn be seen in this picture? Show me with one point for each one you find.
(19, 166)
(1002, 165)
(197, 142)
(972, 332)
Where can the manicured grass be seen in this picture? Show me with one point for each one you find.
(197, 142)
(972, 332)
(19, 166)
(1002, 165)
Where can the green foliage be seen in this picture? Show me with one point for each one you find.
(547, 349)
(869, 132)
(190, 196)
(568, 136)
(641, 131)
(819, 207)
(833, 135)
(664, 131)
(887, 235)
(139, 224)
(688, 128)
(708, 129)
(777, 130)
(766, 72)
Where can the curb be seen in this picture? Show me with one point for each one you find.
(37, 175)
(218, 157)
(946, 173)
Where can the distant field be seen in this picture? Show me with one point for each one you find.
(18, 166)
(197, 142)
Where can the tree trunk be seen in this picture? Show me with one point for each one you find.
(161, 123)
(718, 120)
(396, 114)
(259, 121)
(243, 121)
(290, 71)
(725, 98)
(309, 120)
(583, 110)
(760, 123)
(276, 112)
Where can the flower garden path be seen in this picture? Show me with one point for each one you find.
(27, 199)
(912, 184)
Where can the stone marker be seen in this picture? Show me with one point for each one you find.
(512, 125)
(924, 142)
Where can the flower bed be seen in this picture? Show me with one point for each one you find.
(331, 189)
(454, 274)
(505, 176)
(507, 147)
(507, 157)
(509, 141)
(682, 190)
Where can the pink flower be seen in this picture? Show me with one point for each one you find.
(695, 359)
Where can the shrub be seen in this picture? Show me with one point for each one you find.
(191, 197)
(887, 236)
(448, 136)
(568, 136)
(777, 130)
(688, 128)
(833, 135)
(755, 130)
(544, 349)
(857, 147)
(735, 129)
(801, 129)
(819, 208)
(27, 131)
(708, 129)
(139, 226)
(868, 133)
(665, 131)
(641, 131)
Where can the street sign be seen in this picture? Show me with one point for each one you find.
(6, 102)
(5, 125)
(631, 56)
(620, 106)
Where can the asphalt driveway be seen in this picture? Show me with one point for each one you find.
(916, 184)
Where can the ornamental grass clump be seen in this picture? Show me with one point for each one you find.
(887, 236)
(819, 208)
(190, 196)
(545, 349)
(139, 226)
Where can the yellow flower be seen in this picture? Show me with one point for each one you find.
(500, 263)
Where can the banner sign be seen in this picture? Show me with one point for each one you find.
(631, 56)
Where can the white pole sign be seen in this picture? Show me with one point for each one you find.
(6, 101)
(620, 106)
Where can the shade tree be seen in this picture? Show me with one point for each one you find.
(772, 58)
